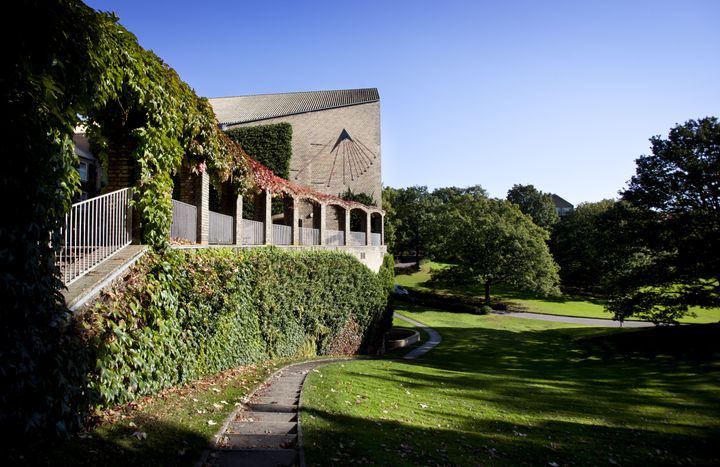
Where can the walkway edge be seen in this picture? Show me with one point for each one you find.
(433, 341)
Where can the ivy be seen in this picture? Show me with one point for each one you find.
(271, 145)
(184, 314)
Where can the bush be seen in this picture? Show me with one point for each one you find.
(181, 314)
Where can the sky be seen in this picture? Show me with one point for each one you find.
(563, 95)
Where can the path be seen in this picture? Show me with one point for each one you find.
(434, 339)
(264, 431)
(576, 320)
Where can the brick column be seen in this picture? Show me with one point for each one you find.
(267, 220)
(203, 206)
(295, 222)
(323, 218)
(368, 228)
(347, 226)
(238, 220)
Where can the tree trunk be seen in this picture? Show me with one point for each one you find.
(487, 292)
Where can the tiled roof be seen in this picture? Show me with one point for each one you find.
(243, 109)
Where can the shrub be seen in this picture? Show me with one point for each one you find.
(183, 314)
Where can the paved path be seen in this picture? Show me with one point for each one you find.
(434, 340)
(572, 319)
(265, 430)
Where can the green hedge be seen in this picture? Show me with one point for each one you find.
(271, 145)
(183, 314)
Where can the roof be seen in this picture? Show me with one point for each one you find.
(82, 146)
(561, 203)
(244, 109)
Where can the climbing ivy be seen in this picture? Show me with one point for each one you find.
(74, 65)
(271, 145)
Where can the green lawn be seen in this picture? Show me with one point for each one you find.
(507, 391)
(568, 306)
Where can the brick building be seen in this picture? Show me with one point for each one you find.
(336, 135)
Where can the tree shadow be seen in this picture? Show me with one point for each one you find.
(578, 408)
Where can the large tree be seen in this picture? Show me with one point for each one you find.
(677, 189)
(536, 204)
(489, 241)
(414, 220)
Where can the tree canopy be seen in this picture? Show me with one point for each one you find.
(536, 204)
(489, 241)
(677, 191)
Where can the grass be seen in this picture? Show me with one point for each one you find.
(171, 428)
(508, 391)
(584, 307)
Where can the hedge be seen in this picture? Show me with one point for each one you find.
(183, 314)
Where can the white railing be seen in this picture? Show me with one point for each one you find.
(281, 234)
(252, 232)
(375, 239)
(335, 237)
(309, 236)
(184, 221)
(94, 230)
(357, 238)
(220, 229)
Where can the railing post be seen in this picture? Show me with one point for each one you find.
(203, 205)
(347, 227)
(267, 221)
(323, 218)
(238, 220)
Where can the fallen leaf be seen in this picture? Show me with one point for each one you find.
(424, 406)
(140, 435)
(212, 422)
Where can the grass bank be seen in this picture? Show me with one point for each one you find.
(567, 305)
(507, 391)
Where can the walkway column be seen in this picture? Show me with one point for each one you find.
(295, 222)
(382, 229)
(323, 218)
(203, 208)
(347, 226)
(238, 220)
(368, 228)
(267, 220)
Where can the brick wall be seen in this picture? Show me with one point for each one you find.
(313, 162)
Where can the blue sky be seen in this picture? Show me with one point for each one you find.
(563, 95)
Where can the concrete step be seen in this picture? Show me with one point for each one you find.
(262, 428)
(261, 407)
(255, 441)
(276, 399)
(254, 457)
(266, 417)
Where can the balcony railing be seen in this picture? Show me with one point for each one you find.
(335, 237)
(309, 236)
(184, 221)
(252, 232)
(94, 230)
(220, 229)
(281, 234)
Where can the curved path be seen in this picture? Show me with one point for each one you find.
(576, 320)
(265, 431)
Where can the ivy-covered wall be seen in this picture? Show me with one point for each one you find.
(271, 145)
(188, 313)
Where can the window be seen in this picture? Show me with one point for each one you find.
(83, 171)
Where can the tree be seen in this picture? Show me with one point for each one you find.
(388, 205)
(596, 242)
(491, 242)
(415, 220)
(677, 190)
(536, 204)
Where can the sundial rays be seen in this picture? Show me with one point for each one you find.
(351, 158)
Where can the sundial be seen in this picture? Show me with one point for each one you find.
(351, 158)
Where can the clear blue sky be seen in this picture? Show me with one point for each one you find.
(559, 94)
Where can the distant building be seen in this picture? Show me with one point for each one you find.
(89, 167)
(562, 207)
(336, 135)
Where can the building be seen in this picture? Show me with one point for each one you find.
(336, 135)
(562, 207)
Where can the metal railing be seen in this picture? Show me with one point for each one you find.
(335, 237)
(184, 221)
(220, 229)
(357, 238)
(309, 236)
(375, 239)
(281, 234)
(252, 232)
(94, 230)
